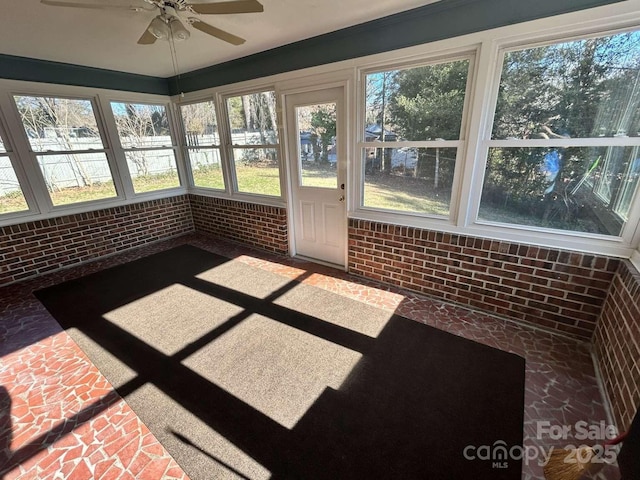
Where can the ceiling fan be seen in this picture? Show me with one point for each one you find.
(167, 25)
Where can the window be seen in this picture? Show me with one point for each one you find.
(148, 147)
(412, 136)
(564, 145)
(65, 140)
(203, 144)
(11, 197)
(254, 143)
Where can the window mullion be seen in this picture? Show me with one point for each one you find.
(481, 105)
(226, 153)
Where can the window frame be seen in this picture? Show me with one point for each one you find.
(41, 194)
(422, 220)
(630, 232)
(220, 147)
(228, 147)
(175, 146)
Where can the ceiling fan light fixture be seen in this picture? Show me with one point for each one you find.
(159, 28)
(178, 30)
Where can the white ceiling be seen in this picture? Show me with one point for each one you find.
(107, 38)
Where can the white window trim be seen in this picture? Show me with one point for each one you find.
(482, 107)
(357, 209)
(227, 147)
(182, 134)
(175, 146)
(615, 245)
(29, 172)
(23, 182)
(43, 198)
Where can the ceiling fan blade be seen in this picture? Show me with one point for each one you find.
(216, 32)
(147, 38)
(236, 6)
(57, 3)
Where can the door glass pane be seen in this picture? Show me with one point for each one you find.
(317, 152)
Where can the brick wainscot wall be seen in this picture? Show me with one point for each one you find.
(33, 248)
(261, 226)
(551, 288)
(616, 344)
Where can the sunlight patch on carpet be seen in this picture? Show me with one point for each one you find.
(242, 278)
(319, 303)
(173, 317)
(277, 369)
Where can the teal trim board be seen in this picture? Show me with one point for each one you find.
(33, 70)
(437, 21)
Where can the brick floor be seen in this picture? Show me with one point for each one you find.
(66, 421)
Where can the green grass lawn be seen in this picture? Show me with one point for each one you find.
(15, 202)
(405, 194)
(387, 192)
(208, 178)
(150, 183)
(325, 177)
(259, 180)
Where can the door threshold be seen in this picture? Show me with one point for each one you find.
(321, 262)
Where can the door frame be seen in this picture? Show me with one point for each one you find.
(345, 85)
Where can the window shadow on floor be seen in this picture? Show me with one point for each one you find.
(406, 407)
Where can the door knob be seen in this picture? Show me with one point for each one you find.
(341, 198)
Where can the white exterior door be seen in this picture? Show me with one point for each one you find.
(316, 151)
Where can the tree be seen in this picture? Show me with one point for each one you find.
(255, 113)
(427, 104)
(200, 123)
(323, 122)
(380, 88)
(579, 89)
(140, 126)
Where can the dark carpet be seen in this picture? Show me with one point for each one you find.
(242, 373)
